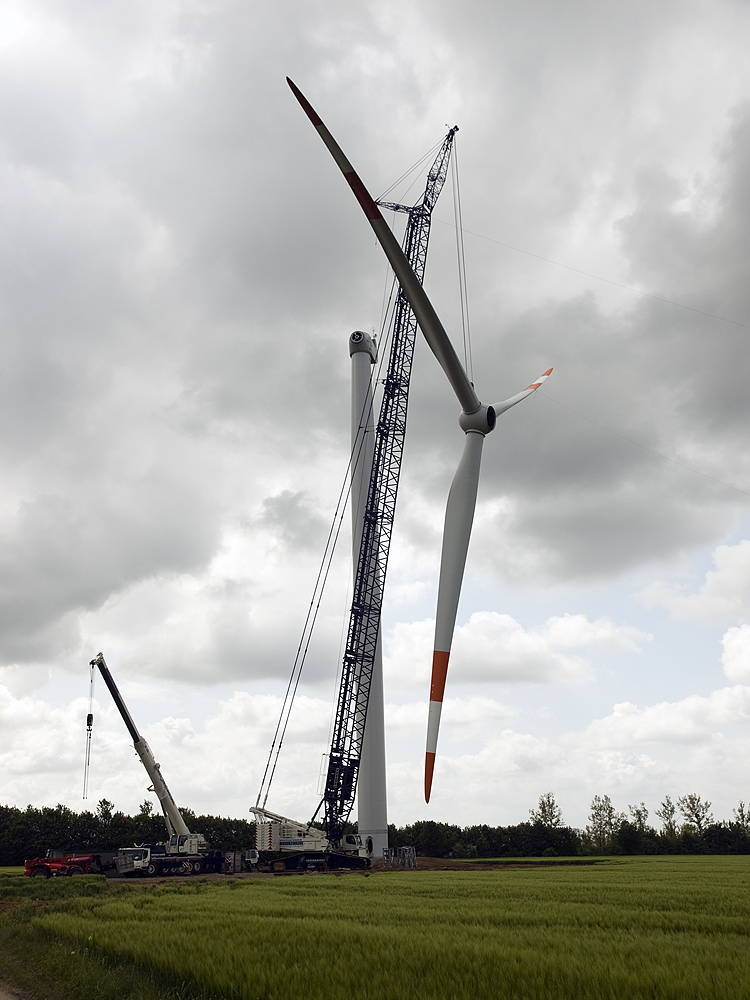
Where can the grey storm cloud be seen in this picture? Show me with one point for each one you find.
(182, 266)
(633, 451)
(294, 520)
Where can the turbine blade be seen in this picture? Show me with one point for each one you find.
(512, 400)
(428, 320)
(459, 517)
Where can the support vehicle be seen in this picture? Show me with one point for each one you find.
(56, 863)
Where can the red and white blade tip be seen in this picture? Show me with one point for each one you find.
(309, 110)
(535, 385)
(429, 767)
(437, 691)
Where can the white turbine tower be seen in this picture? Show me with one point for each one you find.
(476, 421)
(372, 801)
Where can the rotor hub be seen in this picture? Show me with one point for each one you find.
(481, 421)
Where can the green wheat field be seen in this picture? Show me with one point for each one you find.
(666, 927)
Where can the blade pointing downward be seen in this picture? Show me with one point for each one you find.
(427, 318)
(459, 516)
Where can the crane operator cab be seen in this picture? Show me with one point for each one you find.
(190, 843)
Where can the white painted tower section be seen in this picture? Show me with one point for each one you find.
(372, 806)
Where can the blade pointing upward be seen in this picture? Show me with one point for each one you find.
(427, 318)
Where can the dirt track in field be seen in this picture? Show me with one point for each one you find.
(9, 993)
(423, 865)
(454, 865)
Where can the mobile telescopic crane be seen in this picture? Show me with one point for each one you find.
(172, 816)
(362, 665)
(185, 852)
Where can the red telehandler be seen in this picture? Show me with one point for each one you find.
(60, 863)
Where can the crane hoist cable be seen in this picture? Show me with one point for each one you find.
(414, 167)
(311, 617)
(328, 554)
(461, 259)
(89, 728)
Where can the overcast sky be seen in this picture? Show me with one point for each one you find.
(182, 265)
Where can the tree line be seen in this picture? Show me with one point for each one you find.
(687, 827)
(29, 833)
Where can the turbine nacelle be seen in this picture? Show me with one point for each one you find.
(360, 342)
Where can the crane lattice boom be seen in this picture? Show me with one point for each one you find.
(369, 580)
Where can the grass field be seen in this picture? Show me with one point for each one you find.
(666, 927)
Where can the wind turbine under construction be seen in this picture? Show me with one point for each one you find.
(477, 420)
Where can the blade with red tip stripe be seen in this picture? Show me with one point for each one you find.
(459, 517)
(437, 689)
(512, 400)
(429, 323)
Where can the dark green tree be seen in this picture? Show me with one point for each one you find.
(696, 812)
(667, 813)
(604, 822)
(547, 813)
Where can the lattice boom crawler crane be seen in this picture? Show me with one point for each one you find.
(358, 744)
(362, 666)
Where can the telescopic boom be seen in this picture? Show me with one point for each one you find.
(172, 815)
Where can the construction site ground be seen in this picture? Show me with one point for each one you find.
(423, 865)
